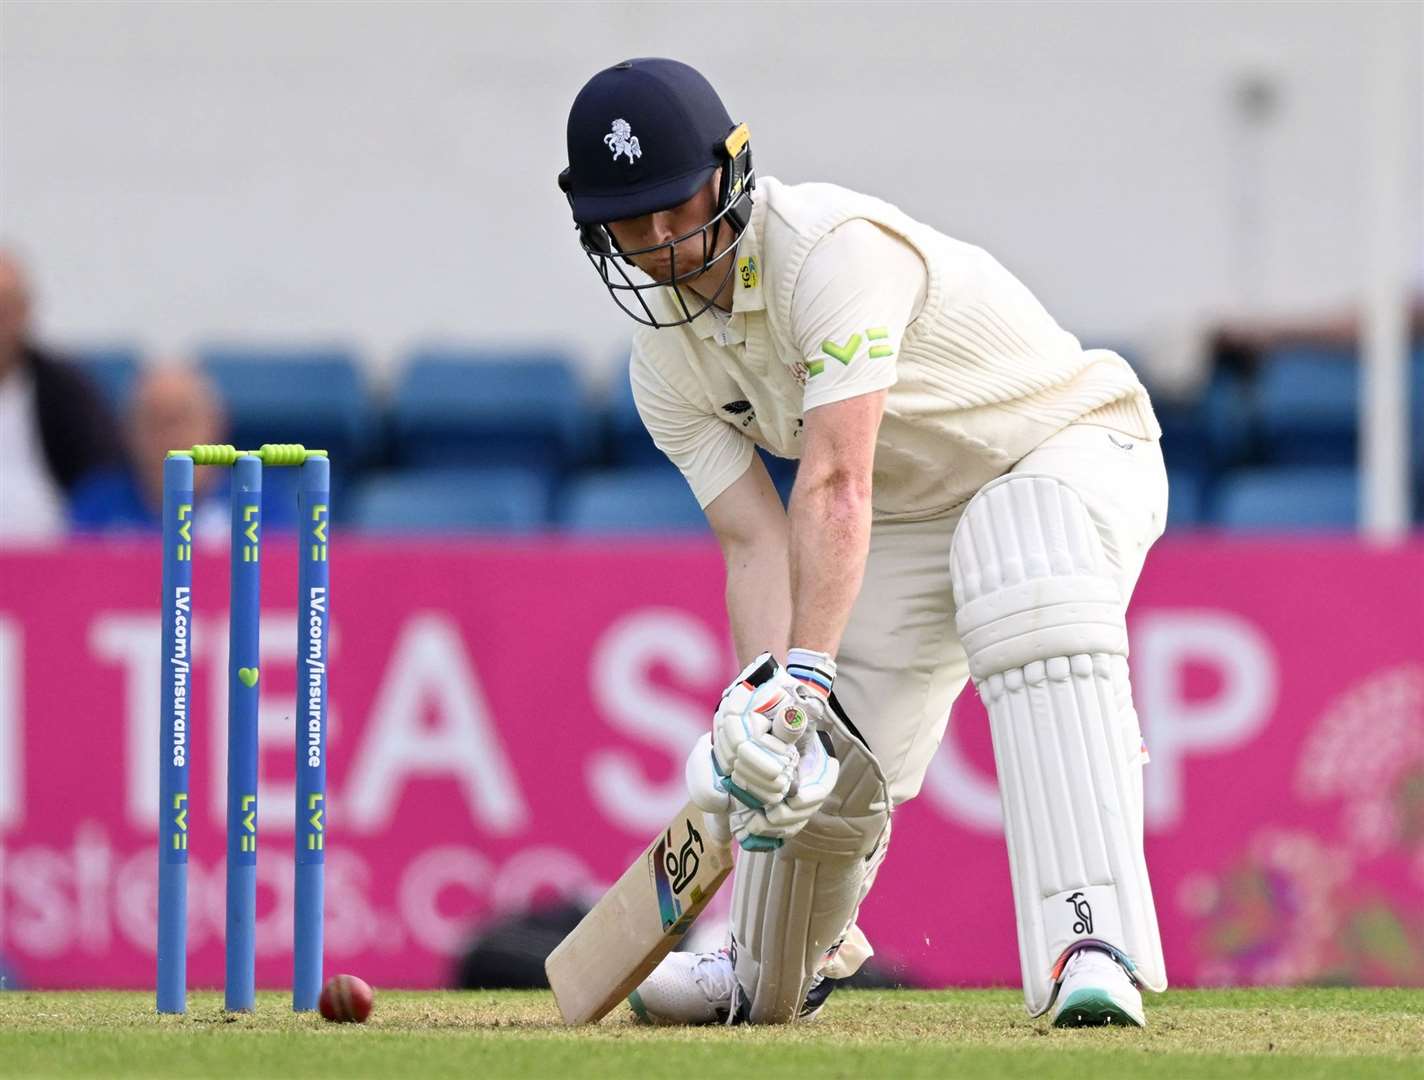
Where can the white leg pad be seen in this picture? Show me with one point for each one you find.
(792, 908)
(1043, 625)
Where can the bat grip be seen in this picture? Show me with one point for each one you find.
(791, 724)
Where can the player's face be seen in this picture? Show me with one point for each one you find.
(664, 226)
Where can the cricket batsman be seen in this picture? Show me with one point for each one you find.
(975, 498)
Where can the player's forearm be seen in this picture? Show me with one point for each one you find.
(759, 597)
(830, 539)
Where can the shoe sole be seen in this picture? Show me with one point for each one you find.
(1093, 1008)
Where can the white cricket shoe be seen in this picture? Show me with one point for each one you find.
(687, 988)
(1095, 992)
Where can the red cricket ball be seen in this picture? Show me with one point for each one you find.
(346, 999)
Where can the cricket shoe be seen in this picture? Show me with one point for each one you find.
(687, 988)
(1096, 991)
(698, 988)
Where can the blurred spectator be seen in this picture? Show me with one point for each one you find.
(172, 406)
(54, 426)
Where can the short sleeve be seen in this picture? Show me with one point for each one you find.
(858, 290)
(710, 452)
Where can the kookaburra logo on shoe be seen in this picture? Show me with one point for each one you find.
(621, 140)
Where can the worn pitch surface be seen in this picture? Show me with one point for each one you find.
(1292, 1033)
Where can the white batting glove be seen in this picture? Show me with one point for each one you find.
(755, 766)
(816, 775)
(704, 787)
(764, 772)
(704, 781)
(807, 679)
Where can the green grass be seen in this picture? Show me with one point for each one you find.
(862, 1034)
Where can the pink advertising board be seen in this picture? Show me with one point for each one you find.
(509, 724)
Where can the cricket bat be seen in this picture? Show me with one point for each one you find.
(639, 920)
(649, 909)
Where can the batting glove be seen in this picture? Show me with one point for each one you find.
(755, 766)
(816, 775)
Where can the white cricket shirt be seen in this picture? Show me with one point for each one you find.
(839, 294)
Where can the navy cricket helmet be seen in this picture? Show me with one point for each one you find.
(646, 135)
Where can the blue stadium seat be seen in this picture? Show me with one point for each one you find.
(507, 500)
(113, 369)
(1416, 413)
(1227, 404)
(460, 406)
(1289, 498)
(1416, 425)
(628, 441)
(313, 396)
(654, 499)
(1209, 432)
(1308, 406)
(1186, 498)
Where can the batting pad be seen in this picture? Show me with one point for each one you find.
(1042, 622)
(792, 907)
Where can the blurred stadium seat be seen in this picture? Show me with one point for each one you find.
(649, 499)
(1186, 498)
(1227, 405)
(313, 396)
(468, 407)
(1416, 420)
(508, 500)
(113, 369)
(1289, 498)
(523, 415)
(628, 441)
(1308, 406)
(1210, 431)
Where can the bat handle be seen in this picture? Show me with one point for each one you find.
(790, 724)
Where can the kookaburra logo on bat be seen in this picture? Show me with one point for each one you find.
(681, 866)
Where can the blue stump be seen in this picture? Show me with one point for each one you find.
(313, 634)
(243, 674)
(174, 746)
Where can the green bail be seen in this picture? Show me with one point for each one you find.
(269, 454)
(212, 454)
(286, 453)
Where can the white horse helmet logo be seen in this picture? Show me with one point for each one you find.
(621, 140)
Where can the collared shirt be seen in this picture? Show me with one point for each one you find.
(838, 294)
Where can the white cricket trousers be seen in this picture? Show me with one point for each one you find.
(901, 665)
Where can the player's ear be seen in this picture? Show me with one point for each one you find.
(598, 238)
